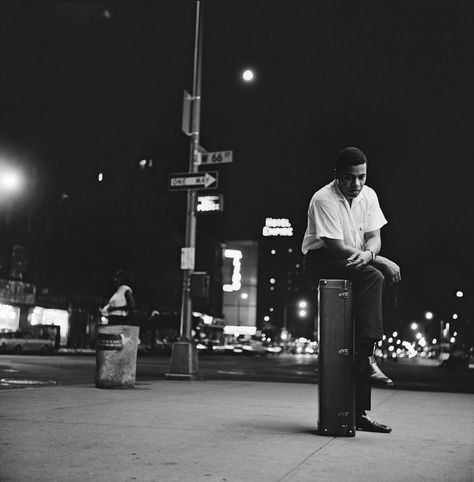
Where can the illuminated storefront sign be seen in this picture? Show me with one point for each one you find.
(240, 330)
(277, 227)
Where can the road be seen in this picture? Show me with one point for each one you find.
(21, 371)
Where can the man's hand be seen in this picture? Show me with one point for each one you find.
(359, 260)
(390, 269)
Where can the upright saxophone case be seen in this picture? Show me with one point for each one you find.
(336, 359)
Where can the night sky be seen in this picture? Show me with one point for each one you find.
(93, 86)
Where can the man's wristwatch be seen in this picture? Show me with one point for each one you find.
(372, 253)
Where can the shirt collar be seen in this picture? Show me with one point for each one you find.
(341, 196)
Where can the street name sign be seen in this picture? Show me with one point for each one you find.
(193, 180)
(218, 157)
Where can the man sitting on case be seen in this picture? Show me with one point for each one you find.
(342, 241)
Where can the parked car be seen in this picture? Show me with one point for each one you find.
(24, 341)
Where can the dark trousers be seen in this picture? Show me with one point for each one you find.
(367, 289)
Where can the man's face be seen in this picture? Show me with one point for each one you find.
(351, 180)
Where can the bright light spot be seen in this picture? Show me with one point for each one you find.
(422, 342)
(266, 318)
(395, 334)
(459, 294)
(380, 343)
(455, 333)
(384, 337)
(391, 348)
(142, 163)
(100, 177)
(390, 340)
(434, 341)
(452, 339)
(302, 313)
(398, 342)
(414, 326)
(303, 304)
(244, 296)
(273, 251)
(429, 315)
(455, 316)
(248, 75)
(270, 309)
(11, 181)
(272, 281)
(418, 336)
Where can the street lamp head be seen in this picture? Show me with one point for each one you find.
(302, 304)
(428, 315)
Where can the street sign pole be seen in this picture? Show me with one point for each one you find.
(184, 361)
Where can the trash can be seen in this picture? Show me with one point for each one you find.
(116, 356)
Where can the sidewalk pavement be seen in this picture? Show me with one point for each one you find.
(226, 431)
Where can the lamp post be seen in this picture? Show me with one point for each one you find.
(184, 360)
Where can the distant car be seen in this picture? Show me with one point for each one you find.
(24, 341)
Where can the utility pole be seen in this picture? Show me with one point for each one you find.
(184, 361)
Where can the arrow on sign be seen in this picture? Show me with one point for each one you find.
(193, 180)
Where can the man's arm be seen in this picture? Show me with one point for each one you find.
(355, 258)
(390, 269)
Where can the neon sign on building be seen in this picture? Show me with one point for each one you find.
(277, 227)
(236, 256)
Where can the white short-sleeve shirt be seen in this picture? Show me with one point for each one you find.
(331, 216)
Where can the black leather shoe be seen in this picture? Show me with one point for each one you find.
(372, 373)
(368, 425)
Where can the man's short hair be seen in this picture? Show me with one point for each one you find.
(349, 156)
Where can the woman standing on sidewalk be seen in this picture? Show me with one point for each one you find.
(122, 303)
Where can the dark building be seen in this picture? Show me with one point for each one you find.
(281, 283)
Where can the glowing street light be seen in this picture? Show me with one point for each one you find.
(414, 326)
(459, 294)
(428, 315)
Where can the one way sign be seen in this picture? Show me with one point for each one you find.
(193, 180)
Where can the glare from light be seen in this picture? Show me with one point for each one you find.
(100, 177)
(455, 333)
(459, 294)
(395, 334)
(429, 315)
(434, 341)
(452, 339)
(11, 181)
(418, 336)
(455, 316)
(302, 313)
(273, 251)
(248, 75)
(414, 326)
(266, 318)
(390, 340)
(244, 296)
(303, 304)
(272, 281)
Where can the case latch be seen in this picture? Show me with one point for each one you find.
(343, 352)
(344, 294)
